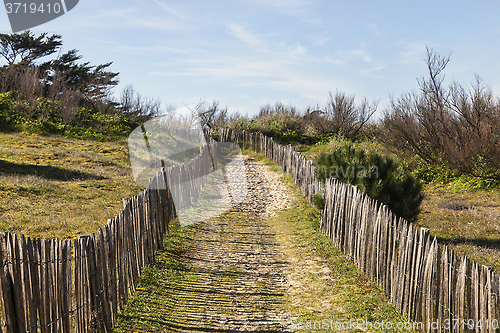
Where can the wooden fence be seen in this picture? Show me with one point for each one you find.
(424, 280)
(51, 285)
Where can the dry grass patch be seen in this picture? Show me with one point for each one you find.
(52, 186)
(469, 222)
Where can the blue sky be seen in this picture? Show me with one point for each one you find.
(246, 54)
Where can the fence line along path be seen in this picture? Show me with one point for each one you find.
(425, 281)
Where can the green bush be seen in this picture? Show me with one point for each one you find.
(282, 128)
(443, 174)
(319, 201)
(380, 177)
(46, 118)
(9, 117)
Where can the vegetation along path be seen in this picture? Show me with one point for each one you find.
(261, 267)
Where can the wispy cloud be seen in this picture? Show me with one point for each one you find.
(318, 40)
(303, 9)
(169, 9)
(374, 28)
(223, 68)
(146, 50)
(353, 55)
(313, 87)
(246, 36)
(134, 16)
(283, 74)
(411, 52)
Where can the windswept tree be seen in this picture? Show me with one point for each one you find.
(135, 105)
(32, 68)
(93, 82)
(26, 48)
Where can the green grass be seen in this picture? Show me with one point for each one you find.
(155, 296)
(52, 186)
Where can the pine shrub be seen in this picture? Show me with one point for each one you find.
(380, 177)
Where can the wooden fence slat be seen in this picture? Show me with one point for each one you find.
(66, 286)
(460, 295)
(16, 267)
(490, 310)
(44, 284)
(483, 294)
(443, 310)
(496, 298)
(422, 248)
(8, 307)
(431, 282)
(110, 271)
(76, 286)
(474, 300)
(87, 286)
(408, 268)
(452, 282)
(55, 286)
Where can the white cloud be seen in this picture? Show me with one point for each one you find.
(223, 68)
(297, 50)
(281, 74)
(247, 37)
(317, 40)
(374, 29)
(411, 52)
(352, 55)
(303, 9)
(169, 9)
(313, 87)
(135, 15)
(145, 50)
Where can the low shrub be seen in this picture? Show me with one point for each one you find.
(47, 118)
(381, 177)
(319, 201)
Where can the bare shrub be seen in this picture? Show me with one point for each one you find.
(135, 105)
(341, 115)
(452, 125)
(213, 116)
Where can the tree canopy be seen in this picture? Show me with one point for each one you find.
(27, 55)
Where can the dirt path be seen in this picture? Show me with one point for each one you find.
(240, 263)
(245, 271)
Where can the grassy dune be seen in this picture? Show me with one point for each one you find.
(52, 186)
